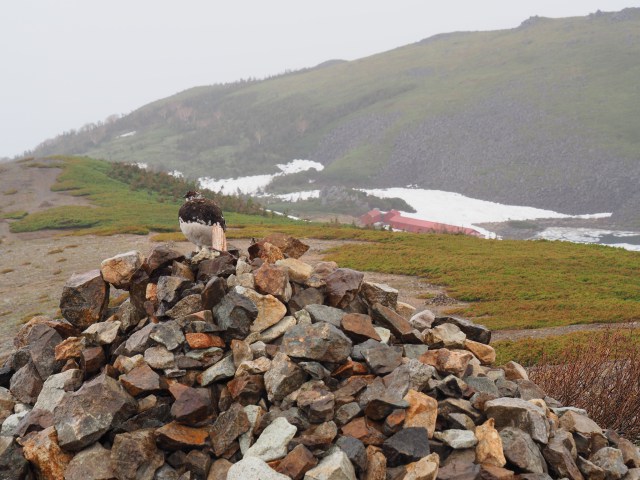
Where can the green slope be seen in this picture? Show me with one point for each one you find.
(546, 114)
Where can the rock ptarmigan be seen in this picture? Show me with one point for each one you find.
(202, 222)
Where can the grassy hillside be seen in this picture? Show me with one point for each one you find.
(523, 116)
(124, 199)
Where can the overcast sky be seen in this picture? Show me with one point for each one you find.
(64, 63)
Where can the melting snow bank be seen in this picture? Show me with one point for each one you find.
(456, 209)
(253, 184)
(610, 238)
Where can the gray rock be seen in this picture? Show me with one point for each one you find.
(324, 313)
(483, 385)
(168, 334)
(13, 465)
(414, 351)
(527, 390)
(170, 288)
(283, 378)
(560, 459)
(518, 413)
(252, 467)
(159, 357)
(277, 330)
(82, 417)
(341, 286)
(319, 341)
(84, 299)
(56, 386)
(610, 460)
(457, 439)
(422, 320)
(408, 445)
(103, 333)
(137, 342)
(234, 315)
(272, 443)
(306, 297)
(521, 451)
(379, 293)
(186, 306)
(10, 424)
(346, 413)
(41, 344)
(380, 358)
(222, 370)
(446, 335)
(26, 384)
(335, 466)
(355, 451)
(473, 331)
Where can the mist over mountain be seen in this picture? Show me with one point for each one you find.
(545, 115)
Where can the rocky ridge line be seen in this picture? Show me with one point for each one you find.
(262, 366)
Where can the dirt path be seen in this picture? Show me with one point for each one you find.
(498, 335)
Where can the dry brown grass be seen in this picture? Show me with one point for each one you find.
(602, 376)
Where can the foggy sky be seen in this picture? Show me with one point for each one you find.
(65, 63)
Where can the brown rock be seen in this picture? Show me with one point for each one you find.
(376, 464)
(493, 472)
(247, 389)
(266, 251)
(192, 405)
(103, 401)
(84, 299)
(560, 459)
(485, 353)
(174, 436)
(319, 341)
(228, 427)
(317, 403)
(365, 430)
(92, 359)
(221, 266)
(241, 352)
(179, 269)
(318, 436)
(397, 324)
(119, 270)
(380, 293)
(283, 378)
(297, 462)
(219, 469)
(290, 246)
(134, 456)
(43, 451)
(298, 271)
(160, 255)
(447, 361)
(342, 286)
(203, 340)
(489, 447)
(395, 421)
(142, 380)
(515, 371)
(422, 411)
(272, 280)
(92, 463)
(576, 423)
(424, 469)
(270, 309)
(359, 327)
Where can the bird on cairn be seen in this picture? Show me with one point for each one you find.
(202, 222)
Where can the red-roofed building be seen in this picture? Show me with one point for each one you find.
(395, 220)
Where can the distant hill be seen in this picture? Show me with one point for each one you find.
(546, 115)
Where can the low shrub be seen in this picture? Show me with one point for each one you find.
(602, 376)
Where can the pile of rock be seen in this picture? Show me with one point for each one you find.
(268, 368)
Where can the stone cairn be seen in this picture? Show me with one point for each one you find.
(264, 367)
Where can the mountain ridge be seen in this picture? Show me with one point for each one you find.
(544, 114)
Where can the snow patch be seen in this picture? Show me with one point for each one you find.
(128, 134)
(297, 196)
(592, 235)
(254, 183)
(142, 165)
(176, 174)
(299, 165)
(456, 209)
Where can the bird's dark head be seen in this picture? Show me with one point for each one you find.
(191, 194)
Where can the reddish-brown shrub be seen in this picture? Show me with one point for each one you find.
(602, 376)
